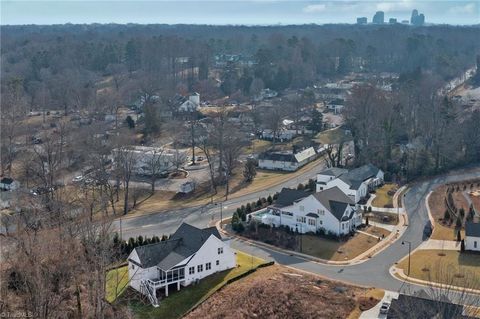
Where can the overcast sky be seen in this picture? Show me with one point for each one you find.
(248, 12)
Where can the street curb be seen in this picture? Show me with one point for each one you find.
(398, 272)
(363, 257)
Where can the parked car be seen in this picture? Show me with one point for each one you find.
(384, 308)
(77, 179)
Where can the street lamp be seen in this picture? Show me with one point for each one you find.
(409, 251)
(221, 212)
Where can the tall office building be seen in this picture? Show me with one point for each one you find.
(379, 17)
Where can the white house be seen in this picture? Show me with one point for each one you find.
(162, 159)
(287, 160)
(330, 210)
(472, 236)
(356, 183)
(187, 187)
(189, 255)
(192, 104)
(8, 184)
(281, 135)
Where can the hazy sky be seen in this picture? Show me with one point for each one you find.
(231, 12)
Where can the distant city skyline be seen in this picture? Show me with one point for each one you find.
(247, 12)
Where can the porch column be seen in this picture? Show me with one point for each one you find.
(178, 285)
(166, 290)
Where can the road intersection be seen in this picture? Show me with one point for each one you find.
(374, 272)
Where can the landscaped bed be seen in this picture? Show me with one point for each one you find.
(178, 303)
(447, 229)
(445, 266)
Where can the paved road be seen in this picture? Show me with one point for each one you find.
(201, 216)
(374, 272)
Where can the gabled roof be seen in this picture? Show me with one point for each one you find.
(278, 156)
(185, 242)
(357, 176)
(335, 201)
(334, 171)
(472, 229)
(288, 196)
(424, 308)
(288, 156)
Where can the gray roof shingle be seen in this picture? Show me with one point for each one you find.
(356, 176)
(288, 196)
(472, 229)
(185, 242)
(335, 201)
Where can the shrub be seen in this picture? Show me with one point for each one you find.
(248, 208)
(458, 222)
(275, 196)
(446, 215)
(300, 187)
(269, 200)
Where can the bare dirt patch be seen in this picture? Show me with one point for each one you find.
(279, 292)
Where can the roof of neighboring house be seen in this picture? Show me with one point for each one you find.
(419, 308)
(334, 171)
(357, 176)
(287, 156)
(288, 196)
(335, 201)
(6, 180)
(185, 242)
(278, 156)
(472, 229)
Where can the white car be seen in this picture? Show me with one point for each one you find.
(77, 179)
(384, 308)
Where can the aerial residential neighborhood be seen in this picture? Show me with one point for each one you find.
(240, 159)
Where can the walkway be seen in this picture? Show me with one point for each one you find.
(440, 244)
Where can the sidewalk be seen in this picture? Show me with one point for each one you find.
(439, 245)
(397, 232)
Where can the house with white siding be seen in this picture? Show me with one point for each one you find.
(330, 211)
(188, 256)
(356, 183)
(286, 160)
(472, 236)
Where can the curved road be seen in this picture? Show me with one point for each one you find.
(373, 272)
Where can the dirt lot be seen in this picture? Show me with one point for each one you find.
(279, 292)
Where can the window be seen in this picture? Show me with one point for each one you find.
(321, 212)
(311, 222)
(191, 270)
(301, 219)
(133, 266)
(321, 222)
(199, 268)
(208, 266)
(220, 250)
(343, 226)
(218, 262)
(475, 244)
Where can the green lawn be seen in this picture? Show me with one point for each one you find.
(382, 198)
(177, 303)
(116, 283)
(446, 267)
(335, 250)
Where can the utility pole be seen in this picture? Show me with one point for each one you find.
(409, 252)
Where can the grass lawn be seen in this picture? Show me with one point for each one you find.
(379, 217)
(177, 303)
(442, 232)
(336, 250)
(332, 136)
(454, 268)
(116, 283)
(382, 198)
